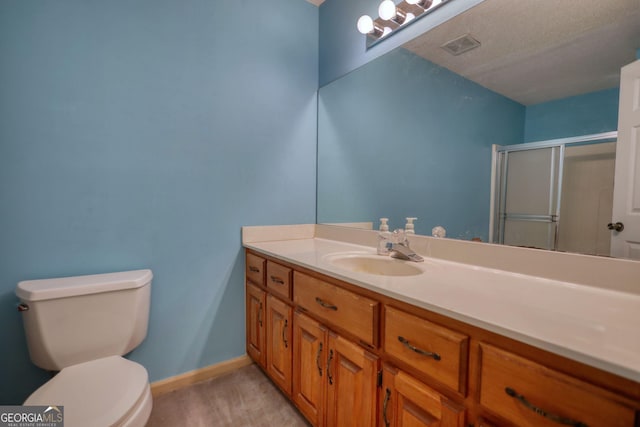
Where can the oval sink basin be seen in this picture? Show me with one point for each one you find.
(374, 264)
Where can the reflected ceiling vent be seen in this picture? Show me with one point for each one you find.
(461, 45)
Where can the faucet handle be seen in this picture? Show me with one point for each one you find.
(399, 237)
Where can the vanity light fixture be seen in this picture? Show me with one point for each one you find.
(388, 11)
(366, 25)
(393, 17)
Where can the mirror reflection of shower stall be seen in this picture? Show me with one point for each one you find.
(556, 194)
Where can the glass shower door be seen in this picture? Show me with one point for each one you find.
(528, 208)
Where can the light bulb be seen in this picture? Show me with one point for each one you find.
(365, 24)
(387, 10)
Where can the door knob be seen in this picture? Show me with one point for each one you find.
(618, 226)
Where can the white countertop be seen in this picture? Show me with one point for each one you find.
(598, 327)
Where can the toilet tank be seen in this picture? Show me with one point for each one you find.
(77, 319)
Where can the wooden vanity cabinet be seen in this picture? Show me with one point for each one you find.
(279, 342)
(323, 342)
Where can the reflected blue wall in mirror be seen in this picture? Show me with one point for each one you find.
(594, 112)
(402, 137)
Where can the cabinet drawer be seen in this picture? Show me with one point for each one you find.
(349, 311)
(432, 349)
(528, 394)
(279, 279)
(405, 401)
(255, 269)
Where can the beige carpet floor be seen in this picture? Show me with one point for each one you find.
(244, 398)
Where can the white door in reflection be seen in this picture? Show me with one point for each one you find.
(625, 243)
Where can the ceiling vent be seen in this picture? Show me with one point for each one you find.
(461, 45)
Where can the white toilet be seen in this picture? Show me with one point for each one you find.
(81, 326)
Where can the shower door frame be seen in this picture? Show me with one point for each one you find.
(499, 171)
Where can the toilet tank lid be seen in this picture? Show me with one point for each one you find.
(44, 289)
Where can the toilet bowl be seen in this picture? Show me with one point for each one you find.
(111, 391)
(81, 326)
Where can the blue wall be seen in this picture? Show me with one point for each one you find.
(343, 48)
(402, 137)
(144, 134)
(593, 112)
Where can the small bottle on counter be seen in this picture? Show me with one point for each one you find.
(409, 227)
(383, 237)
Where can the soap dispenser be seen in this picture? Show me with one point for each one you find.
(383, 237)
(409, 228)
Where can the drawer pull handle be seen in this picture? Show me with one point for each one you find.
(284, 333)
(326, 304)
(276, 279)
(260, 315)
(318, 354)
(254, 269)
(406, 343)
(329, 366)
(553, 417)
(385, 403)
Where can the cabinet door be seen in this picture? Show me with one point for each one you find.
(279, 343)
(255, 324)
(309, 368)
(351, 384)
(407, 402)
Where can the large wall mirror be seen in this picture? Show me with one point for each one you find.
(414, 133)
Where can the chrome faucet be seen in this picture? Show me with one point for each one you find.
(399, 247)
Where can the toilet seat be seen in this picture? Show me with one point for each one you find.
(111, 391)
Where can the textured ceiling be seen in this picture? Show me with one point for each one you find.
(536, 51)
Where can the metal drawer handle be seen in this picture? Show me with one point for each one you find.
(254, 269)
(329, 366)
(318, 359)
(553, 417)
(406, 343)
(277, 280)
(260, 315)
(326, 304)
(284, 333)
(385, 403)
